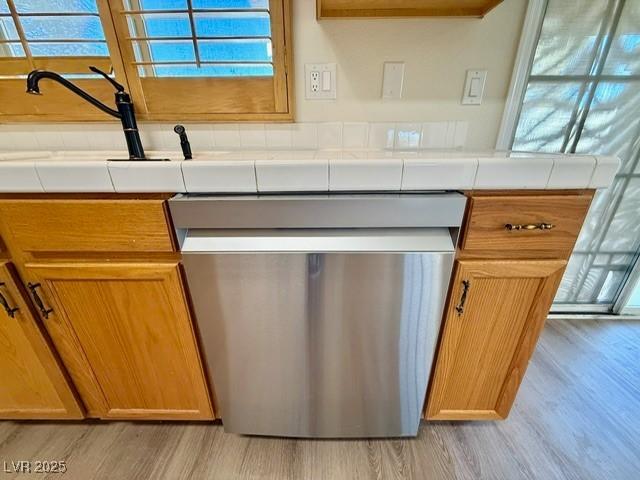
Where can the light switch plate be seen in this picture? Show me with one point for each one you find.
(474, 87)
(320, 81)
(392, 80)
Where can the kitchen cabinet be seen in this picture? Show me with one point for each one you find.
(124, 332)
(32, 382)
(104, 277)
(403, 8)
(107, 288)
(495, 314)
(513, 249)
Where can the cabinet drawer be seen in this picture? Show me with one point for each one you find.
(87, 225)
(487, 233)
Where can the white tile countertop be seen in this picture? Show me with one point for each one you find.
(246, 171)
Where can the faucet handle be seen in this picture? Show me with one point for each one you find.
(118, 87)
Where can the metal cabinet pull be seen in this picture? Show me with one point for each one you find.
(529, 226)
(36, 298)
(463, 299)
(5, 304)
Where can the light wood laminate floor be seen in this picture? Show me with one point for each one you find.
(577, 416)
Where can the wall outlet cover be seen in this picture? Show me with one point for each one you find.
(320, 81)
(392, 80)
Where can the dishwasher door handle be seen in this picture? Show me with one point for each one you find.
(400, 240)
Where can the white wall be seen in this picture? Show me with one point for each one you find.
(437, 53)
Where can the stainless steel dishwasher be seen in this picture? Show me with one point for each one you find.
(318, 315)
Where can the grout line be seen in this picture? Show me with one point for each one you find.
(553, 167)
(184, 182)
(113, 185)
(255, 174)
(593, 172)
(395, 136)
(475, 175)
(38, 175)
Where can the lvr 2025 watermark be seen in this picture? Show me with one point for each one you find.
(35, 466)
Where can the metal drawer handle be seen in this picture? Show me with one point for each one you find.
(5, 304)
(463, 299)
(36, 298)
(529, 226)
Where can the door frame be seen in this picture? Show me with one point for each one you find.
(529, 37)
(624, 295)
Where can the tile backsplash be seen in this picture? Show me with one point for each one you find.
(253, 136)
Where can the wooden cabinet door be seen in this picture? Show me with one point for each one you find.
(125, 333)
(495, 314)
(32, 383)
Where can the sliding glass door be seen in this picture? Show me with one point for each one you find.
(583, 96)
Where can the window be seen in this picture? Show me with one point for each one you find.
(61, 35)
(227, 39)
(187, 59)
(582, 95)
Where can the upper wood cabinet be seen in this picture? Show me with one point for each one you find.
(126, 337)
(32, 383)
(404, 8)
(495, 314)
(183, 59)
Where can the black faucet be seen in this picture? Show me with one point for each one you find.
(123, 103)
(184, 141)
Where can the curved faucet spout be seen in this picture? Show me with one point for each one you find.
(125, 111)
(33, 87)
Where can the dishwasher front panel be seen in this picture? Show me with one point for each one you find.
(319, 344)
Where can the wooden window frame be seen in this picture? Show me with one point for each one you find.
(156, 99)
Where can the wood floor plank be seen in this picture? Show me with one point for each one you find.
(577, 417)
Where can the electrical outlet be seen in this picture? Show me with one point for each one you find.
(315, 81)
(320, 81)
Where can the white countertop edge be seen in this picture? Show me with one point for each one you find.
(38, 173)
